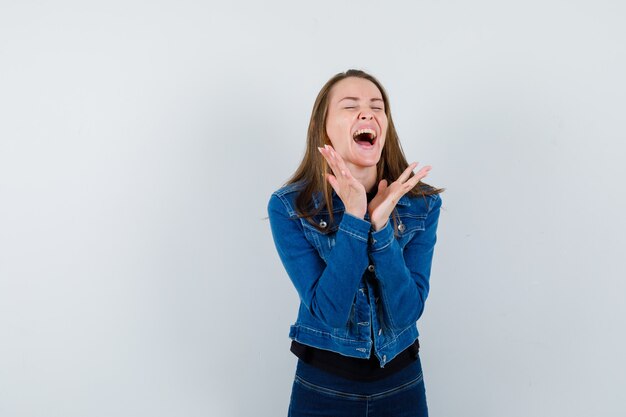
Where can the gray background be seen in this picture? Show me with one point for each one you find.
(139, 144)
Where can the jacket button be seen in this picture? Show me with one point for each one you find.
(370, 268)
(401, 227)
(323, 224)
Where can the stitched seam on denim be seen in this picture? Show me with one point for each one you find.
(434, 200)
(333, 336)
(357, 397)
(381, 236)
(404, 201)
(398, 389)
(329, 391)
(382, 295)
(285, 202)
(335, 210)
(374, 249)
(353, 234)
(312, 229)
(289, 188)
(395, 338)
(413, 216)
(411, 232)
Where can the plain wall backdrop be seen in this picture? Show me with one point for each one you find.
(140, 142)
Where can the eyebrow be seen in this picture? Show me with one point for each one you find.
(357, 99)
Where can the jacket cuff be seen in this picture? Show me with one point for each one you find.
(355, 227)
(382, 238)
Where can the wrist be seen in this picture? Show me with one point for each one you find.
(356, 213)
(379, 225)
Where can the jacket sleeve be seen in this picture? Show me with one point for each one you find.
(328, 288)
(404, 276)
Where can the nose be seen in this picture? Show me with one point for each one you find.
(366, 115)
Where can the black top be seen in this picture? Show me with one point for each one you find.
(355, 368)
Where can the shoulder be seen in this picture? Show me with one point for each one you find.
(422, 204)
(287, 189)
(283, 199)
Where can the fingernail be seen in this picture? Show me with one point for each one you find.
(319, 149)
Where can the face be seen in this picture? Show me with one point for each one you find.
(356, 122)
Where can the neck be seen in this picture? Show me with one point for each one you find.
(364, 175)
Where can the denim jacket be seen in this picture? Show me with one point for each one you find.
(360, 290)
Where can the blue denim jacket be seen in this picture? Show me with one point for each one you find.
(360, 290)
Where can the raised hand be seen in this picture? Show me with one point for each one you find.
(387, 197)
(348, 188)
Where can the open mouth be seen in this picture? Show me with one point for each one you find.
(364, 136)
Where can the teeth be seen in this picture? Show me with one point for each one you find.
(360, 131)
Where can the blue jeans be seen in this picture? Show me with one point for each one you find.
(318, 393)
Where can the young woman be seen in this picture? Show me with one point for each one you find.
(355, 230)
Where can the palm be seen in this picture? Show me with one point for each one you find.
(349, 189)
(387, 197)
(381, 204)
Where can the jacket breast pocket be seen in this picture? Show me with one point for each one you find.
(407, 226)
(323, 236)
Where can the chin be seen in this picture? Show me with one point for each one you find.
(366, 163)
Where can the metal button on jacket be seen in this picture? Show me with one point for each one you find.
(323, 224)
(401, 227)
(370, 268)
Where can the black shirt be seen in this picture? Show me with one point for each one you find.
(354, 368)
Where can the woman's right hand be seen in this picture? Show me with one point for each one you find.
(348, 188)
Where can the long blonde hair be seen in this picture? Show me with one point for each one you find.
(313, 168)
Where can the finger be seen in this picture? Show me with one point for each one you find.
(423, 172)
(333, 159)
(419, 175)
(333, 182)
(382, 185)
(339, 162)
(326, 153)
(329, 159)
(407, 172)
(336, 163)
(331, 152)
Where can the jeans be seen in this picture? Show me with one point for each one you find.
(318, 393)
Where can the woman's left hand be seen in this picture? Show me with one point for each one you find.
(387, 197)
